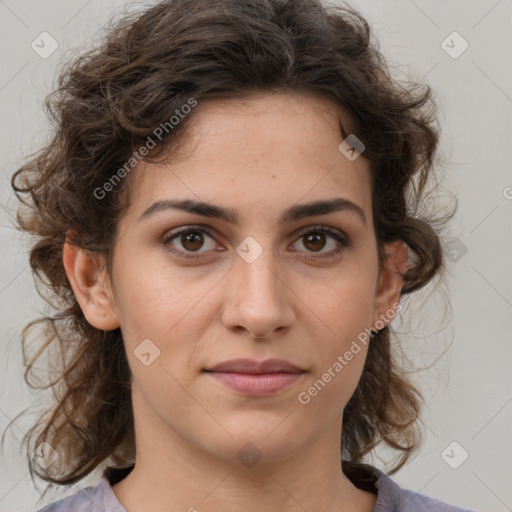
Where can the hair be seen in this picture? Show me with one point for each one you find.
(107, 105)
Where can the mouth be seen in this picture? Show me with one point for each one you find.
(256, 378)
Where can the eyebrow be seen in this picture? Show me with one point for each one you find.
(294, 213)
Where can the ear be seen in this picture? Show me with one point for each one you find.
(87, 274)
(390, 283)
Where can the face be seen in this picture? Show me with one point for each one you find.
(194, 290)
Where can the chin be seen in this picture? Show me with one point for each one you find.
(257, 442)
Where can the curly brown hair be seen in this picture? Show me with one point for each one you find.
(109, 101)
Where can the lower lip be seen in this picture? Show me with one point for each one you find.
(256, 384)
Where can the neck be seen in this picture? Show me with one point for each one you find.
(191, 479)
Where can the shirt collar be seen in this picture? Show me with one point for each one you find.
(363, 476)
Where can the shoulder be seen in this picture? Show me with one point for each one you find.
(418, 502)
(390, 496)
(90, 499)
(81, 501)
(409, 501)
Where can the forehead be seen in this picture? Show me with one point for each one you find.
(259, 155)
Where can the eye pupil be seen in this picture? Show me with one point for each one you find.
(314, 238)
(192, 236)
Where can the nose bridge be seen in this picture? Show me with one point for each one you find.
(259, 267)
(258, 298)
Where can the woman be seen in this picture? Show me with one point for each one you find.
(227, 216)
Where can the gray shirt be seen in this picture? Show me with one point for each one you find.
(390, 496)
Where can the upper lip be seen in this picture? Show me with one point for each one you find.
(255, 367)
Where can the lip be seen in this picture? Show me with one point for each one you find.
(256, 367)
(256, 378)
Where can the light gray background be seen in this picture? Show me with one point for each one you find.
(468, 391)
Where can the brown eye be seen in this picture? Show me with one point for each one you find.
(189, 241)
(192, 240)
(316, 239)
(315, 242)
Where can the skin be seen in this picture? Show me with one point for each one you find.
(258, 156)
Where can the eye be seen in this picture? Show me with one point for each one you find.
(314, 239)
(192, 239)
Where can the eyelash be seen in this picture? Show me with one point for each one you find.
(342, 240)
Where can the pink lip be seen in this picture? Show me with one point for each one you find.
(256, 378)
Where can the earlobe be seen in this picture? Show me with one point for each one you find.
(89, 280)
(390, 283)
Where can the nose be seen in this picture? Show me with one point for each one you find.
(259, 298)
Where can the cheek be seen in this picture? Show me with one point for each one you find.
(346, 307)
(340, 354)
(153, 298)
(161, 322)
(330, 387)
(346, 312)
